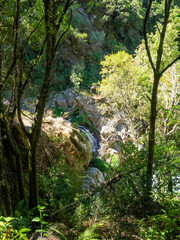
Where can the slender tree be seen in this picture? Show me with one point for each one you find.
(158, 71)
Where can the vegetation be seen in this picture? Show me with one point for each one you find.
(124, 57)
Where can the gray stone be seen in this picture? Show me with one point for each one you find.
(61, 101)
(93, 179)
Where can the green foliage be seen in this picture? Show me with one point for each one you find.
(119, 75)
(129, 199)
(80, 215)
(97, 39)
(40, 220)
(121, 87)
(59, 233)
(58, 112)
(62, 75)
(166, 166)
(165, 225)
(115, 161)
(79, 120)
(102, 165)
(60, 186)
(86, 72)
(7, 230)
(76, 74)
(91, 233)
(115, 46)
(124, 19)
(92, 68)
(81, 22)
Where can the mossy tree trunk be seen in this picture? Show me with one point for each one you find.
(52, 42)
(5, 128)
(54, 14)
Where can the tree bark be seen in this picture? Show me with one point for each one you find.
(158, 72)
(51, 47)
(153, 115)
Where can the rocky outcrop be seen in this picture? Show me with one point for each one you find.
(111, 130)
(94, 178)
(75, 147)
(71, 101)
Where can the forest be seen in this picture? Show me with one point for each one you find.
(90, 119)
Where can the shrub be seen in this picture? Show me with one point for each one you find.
(165, 225)
(7, 230)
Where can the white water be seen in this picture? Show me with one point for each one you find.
(92, 139)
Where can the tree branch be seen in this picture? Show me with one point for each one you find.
(162, 35)
(170, 64)
(16, 22)
(145, 34)
(62, 35)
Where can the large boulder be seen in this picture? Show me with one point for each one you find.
(93, 179)
(75, 147)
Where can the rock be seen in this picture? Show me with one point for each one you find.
(72, 101)
(70, 96)
(61, 101)
(93, 179)
(74, 146)
(90, 107)
(29, 104)
(107, 131)
(113, 131)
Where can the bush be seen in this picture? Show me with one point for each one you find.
(102, 165)
(7, 230)
(165, 225)
(60, 186)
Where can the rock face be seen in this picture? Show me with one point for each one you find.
(112, 133)
(111, 130)
(71, 101)
(93, 179)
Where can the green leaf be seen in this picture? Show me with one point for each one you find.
(59, 233)
(39, 230)
(41, 207)
(22, 230)
(46, 234)
(36, 219)
(45, 214)
(24, 238)
(8, 219)
(43, 222)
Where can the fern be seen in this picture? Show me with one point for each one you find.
(59, 233)
(91, 233)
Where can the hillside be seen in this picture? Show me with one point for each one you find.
(89, 119)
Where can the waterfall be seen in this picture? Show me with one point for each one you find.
(93, 140)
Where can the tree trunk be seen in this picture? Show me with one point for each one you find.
(158, 72)
(153, 114)
(1, 107)
(20, 177)
(36, 127)
(51, 16)
(33, 178)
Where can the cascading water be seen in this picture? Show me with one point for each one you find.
(93, 140)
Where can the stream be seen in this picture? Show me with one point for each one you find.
(93, 140)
